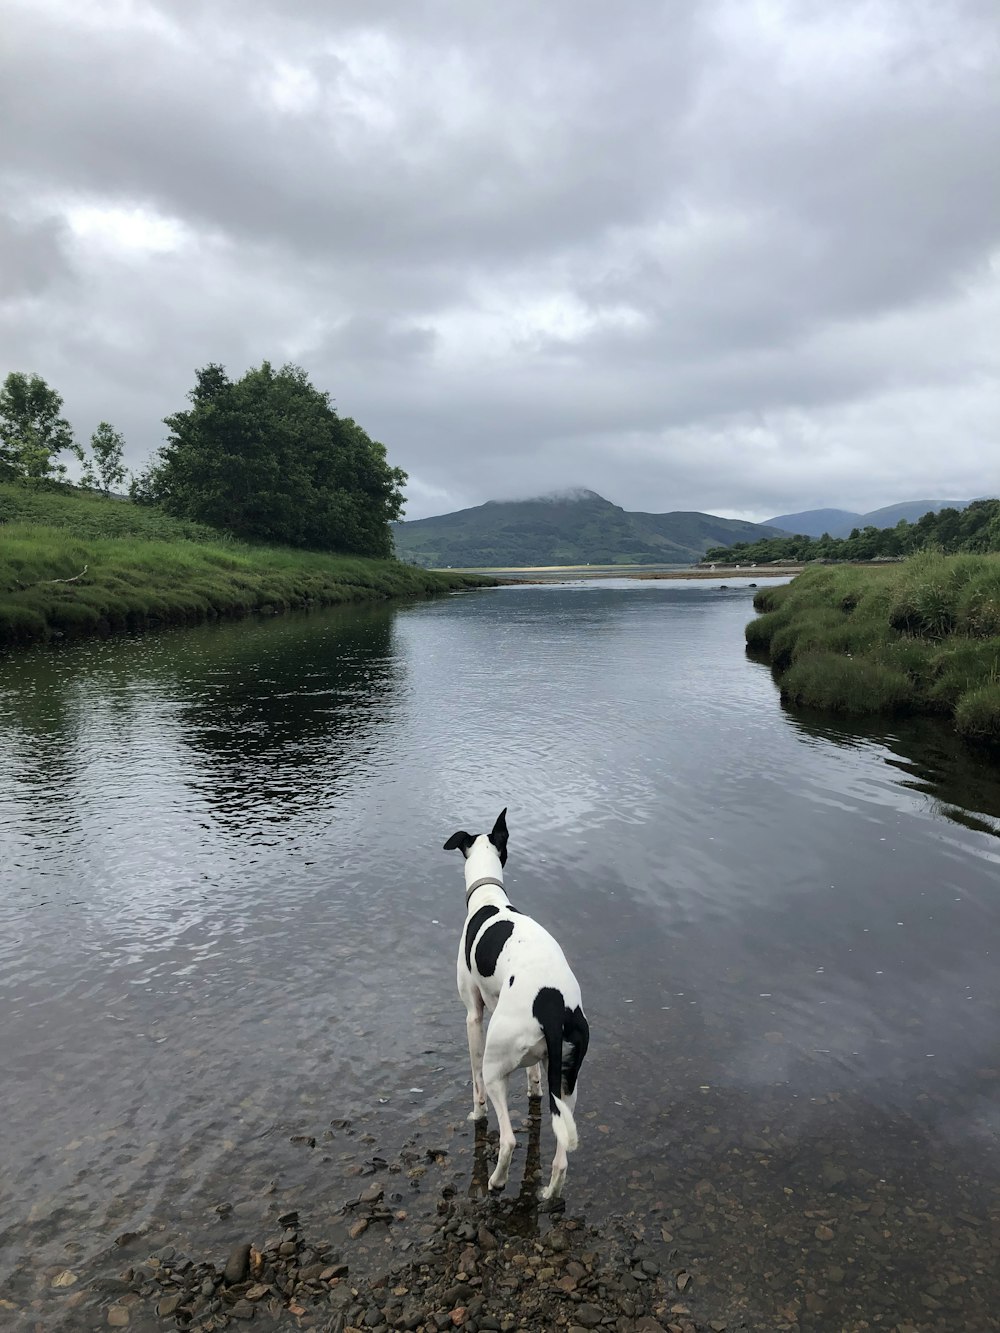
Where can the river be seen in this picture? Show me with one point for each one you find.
(228, 932)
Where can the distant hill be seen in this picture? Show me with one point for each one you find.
(839, 522)
(576, 527)
(814, 522)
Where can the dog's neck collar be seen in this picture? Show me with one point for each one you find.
(481, 884)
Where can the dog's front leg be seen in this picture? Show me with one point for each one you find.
(474, 1029)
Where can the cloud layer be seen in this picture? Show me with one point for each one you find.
(740, 257)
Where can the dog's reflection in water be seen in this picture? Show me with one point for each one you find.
(520, 1213)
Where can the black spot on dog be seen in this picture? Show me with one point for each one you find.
(473, 929)
(511, 982)
(490, 944)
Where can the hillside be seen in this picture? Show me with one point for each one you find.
(840, 522)
(575, 527)
(814, 522)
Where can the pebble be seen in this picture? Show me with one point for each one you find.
(237, 1265)
(588, 1315)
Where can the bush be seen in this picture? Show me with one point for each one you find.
(961, 665)
(977, 714)
(20, 624)
(767, 599)
(846, 685)
(760, 632)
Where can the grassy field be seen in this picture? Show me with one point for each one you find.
(74, 563)
(922, 636)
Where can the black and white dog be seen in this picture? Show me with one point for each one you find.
(510, 965)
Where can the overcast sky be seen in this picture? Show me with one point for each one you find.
(738, 257)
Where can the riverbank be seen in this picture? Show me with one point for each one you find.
(922, 636)
(73, 564)
(486, 1265)
(471, 1273)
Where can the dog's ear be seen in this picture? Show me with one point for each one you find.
(460, 841)
(498, 836)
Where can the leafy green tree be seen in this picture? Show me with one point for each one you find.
(32, 433)
(104, 467)
(268, 459)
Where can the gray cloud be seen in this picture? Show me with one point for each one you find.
(722, 256)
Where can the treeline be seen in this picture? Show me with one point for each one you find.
(975, 528)
(265, 458)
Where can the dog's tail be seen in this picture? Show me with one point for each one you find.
(559, 1025)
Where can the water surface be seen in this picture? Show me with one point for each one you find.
(227, 926)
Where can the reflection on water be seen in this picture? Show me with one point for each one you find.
(273, 706)
(226, 928)
(963, 783)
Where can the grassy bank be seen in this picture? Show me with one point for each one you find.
(918, 637)
(143, 568)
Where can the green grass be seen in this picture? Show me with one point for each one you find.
(90, 514)
(144, 569)
(918, 637)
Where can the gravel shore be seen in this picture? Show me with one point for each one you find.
(474, 1272)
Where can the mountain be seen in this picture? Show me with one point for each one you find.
(814, 522)
(839, 522)
(911, 510)
(575, 527)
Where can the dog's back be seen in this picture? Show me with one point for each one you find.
(500, 943)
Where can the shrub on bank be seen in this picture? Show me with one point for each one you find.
(920, 636)
(977, 714)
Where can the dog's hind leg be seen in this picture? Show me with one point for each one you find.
(474, 1029)
(496, 1086)
(554, 1189)
(534, 1080)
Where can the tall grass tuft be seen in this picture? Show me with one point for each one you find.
(977, 715)
(846, 685)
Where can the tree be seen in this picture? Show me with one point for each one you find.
(268, 459)
(105, 467)
(32, 432)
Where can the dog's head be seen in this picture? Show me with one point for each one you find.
(464, 842)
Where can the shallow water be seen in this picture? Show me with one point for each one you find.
(226, 921)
